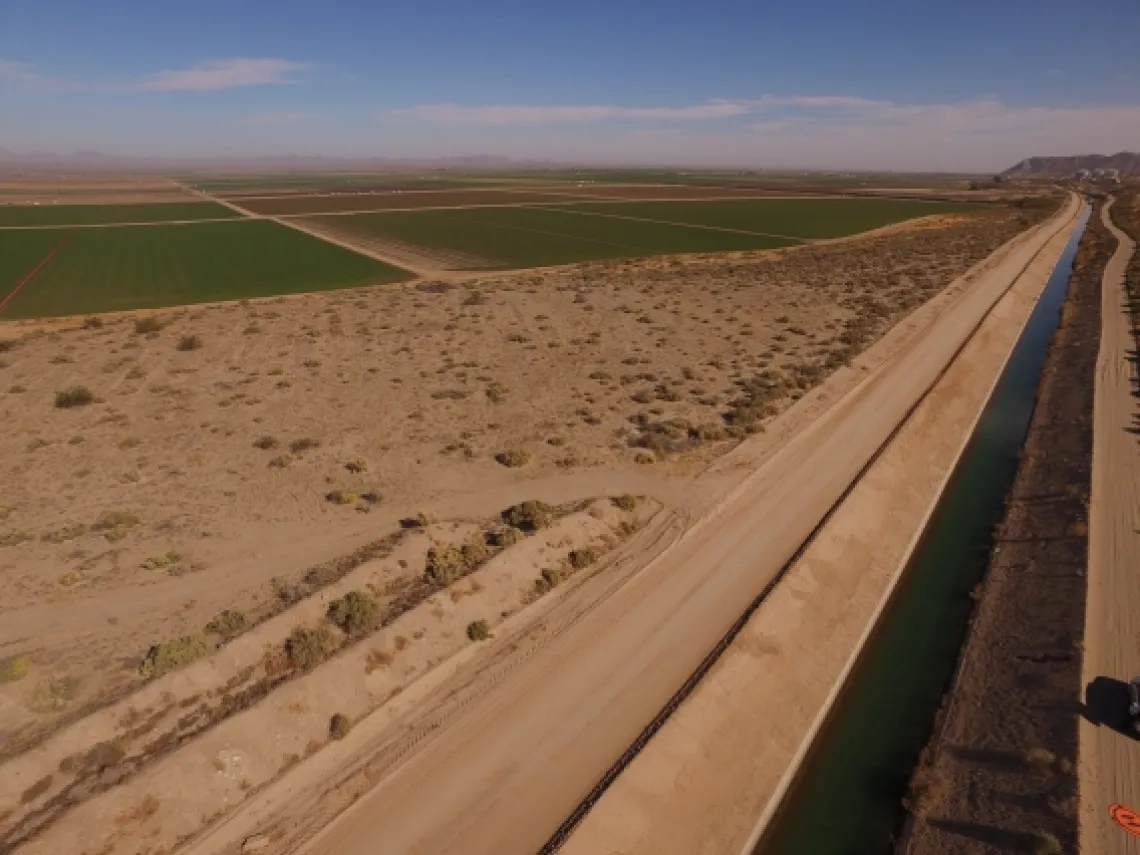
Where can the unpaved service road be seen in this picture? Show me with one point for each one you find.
(1109, 760)
(505, 772)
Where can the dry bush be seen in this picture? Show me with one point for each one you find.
(626, 501)
(14, 668)
(299, 446)
(227, 624)
(190, 342)
(548, 579)
(582, 558)
(342, 497)
(114, 525)
(355, 613)
(76, 396)
(147, 325)
(307, 648)
(93, 323)
(529, 516)
(513, 458)
(477, 630)
(446, 564)
(172, 654)
(265, 443)
(504, 537)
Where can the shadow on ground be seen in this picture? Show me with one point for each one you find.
(1106, 704)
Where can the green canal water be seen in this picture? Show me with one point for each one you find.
(847, 799)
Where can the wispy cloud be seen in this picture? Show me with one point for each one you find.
(569, 114)
(210, 76)
(224, 74)
(279, 117)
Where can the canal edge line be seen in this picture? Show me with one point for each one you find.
(791, 773)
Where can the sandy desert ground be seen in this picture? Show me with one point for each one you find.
(255, 457)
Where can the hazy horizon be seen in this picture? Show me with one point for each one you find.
(972, 89)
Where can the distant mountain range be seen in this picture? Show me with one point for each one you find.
(1126, 162)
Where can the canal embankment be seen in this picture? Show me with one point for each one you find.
(731, 751)
(1000, 768)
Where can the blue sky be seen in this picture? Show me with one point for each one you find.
(968, 85)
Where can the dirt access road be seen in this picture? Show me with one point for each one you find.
(1109, 765)
(503, 773)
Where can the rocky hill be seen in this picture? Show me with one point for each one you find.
(1128, 163)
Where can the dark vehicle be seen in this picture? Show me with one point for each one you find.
(1133, 719)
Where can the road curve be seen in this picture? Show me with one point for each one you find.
(503, 775)
(1109, 762)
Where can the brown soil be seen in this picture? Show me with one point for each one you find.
(999, 774)
(604, 367)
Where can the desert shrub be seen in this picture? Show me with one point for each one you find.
(530, 515)
(14, 538)
(548, 579)
(342, 497)
(76, 396)
(355, 613)
(664, 437)
(580, 558)
(513, 458)
(626, 501)
(496, 392)
(111, 520)
(280, 462)
(93, 323)
(265, 443)
(644, 457)
(65, 533)
(6, 345)
(504, 537)
(14, 668)
(190, 342)
(172, 654)
(227, 624)
(147, 325)
(339, 726)
(446, 564)
(307, 648)
(420, 520)
(53, 695)
(707, 433)
(299, 446)
(356, 467)
(477, 630)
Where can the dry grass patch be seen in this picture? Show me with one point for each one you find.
(76, 396)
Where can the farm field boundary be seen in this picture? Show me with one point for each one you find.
(522, 236)
(128, 268)
(111, 214)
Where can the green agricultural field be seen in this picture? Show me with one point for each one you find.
(87, 215)
(534, 237)
(141, 267)
(800, 218)
(21, 251)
